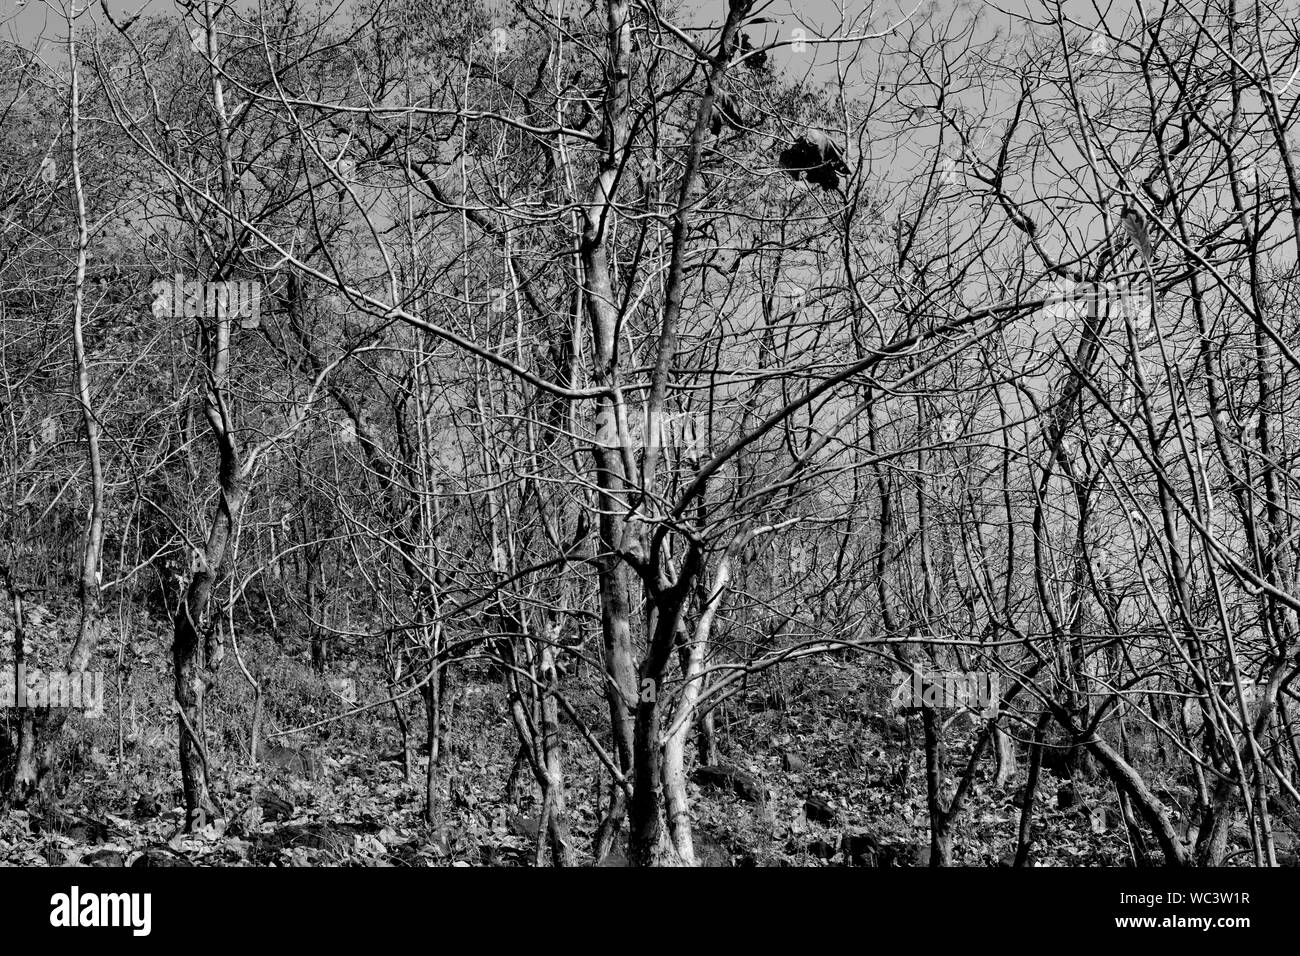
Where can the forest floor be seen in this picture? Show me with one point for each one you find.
(815, 769)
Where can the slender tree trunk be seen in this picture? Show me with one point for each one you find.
(433, 737)
(553, 754)
(23, 784)
(1025, 835)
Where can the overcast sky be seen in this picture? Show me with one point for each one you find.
(24, 21)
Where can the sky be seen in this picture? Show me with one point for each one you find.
(23, 21)
(39, 25)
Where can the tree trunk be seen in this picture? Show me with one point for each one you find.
(1004, 748)
(22, 785)
(553, 754)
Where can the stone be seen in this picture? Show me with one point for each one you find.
(904, 855)
(104, 858)
(734, 779)
(821, 849)
(860, 849)
(160, 856)
(335, 840)
(818, 810)
(275, 808)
